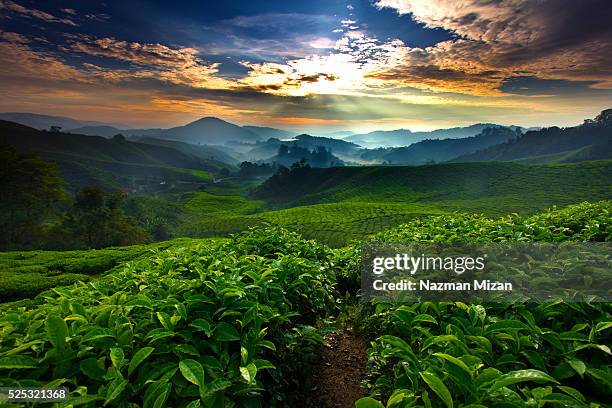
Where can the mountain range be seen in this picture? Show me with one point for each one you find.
(590, 141)
(404, 137)
(115, 162)
(225, 144)
(41, 122)
(441, 150)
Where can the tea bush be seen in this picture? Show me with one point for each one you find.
(513, 355)
(214, 324)
(25, 274)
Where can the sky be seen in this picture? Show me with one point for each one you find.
(316, 66)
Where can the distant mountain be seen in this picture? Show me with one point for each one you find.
(207, 152)
(103, 130)
(207, 130)
(335, 145)
(589, 141)
(404, 137)
(109, 163)
(265, 150)
(441, 150)
(267, 132)
(316, 157)
(46, 121)
(383, 138)
(338, 134)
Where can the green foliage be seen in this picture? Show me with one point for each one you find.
(490, 187)
(332, 224)
(212, 324)
(583, 222)
(25, 274)
(445, 354)
(97, 220)
(31, 191)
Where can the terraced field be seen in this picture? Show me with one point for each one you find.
(337, 205)
(25, 274)
(333, 224)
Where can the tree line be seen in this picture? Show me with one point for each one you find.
(37, 212)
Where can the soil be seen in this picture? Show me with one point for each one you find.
(336, 384)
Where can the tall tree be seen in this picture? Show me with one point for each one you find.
(30, 191)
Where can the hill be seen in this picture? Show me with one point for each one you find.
(383, 138)
(104, 131)
(589, 141)
(266, 151)
(209, 153)
(267, 132)
(208, 130)
(109, 163)
(440, 150)
(484, 187)
(404, 137)
(46, 121)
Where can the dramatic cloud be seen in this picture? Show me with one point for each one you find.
(180, 65)
(511, 37)
(511, 60)
(33, 13)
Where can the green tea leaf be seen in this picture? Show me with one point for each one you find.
(249, 372)
(117, 357)
(15, 362)
(115, 389)
(506, 325)
(455, 361)
(226, 332)
(521, 376)
(192, 371)
(138, 358)
(368, 402)
(57, 331)
(438, 387)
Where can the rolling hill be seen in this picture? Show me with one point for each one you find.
(209, 153)
(109, 163)
(485, 187)
(404, 137)
(440, 150)
(589, 141)
(40, 122)
(267, 132)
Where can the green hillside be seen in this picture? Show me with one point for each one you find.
(491, 187)
(110, 163)
(589, 141)
(441, 150)
(337, 205)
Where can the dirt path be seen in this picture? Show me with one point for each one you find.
(337, 382)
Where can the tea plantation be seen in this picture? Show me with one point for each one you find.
(337, 205)
(239, 322)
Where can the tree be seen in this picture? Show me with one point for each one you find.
(98, 220)
(31, 193)
(283, 150)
